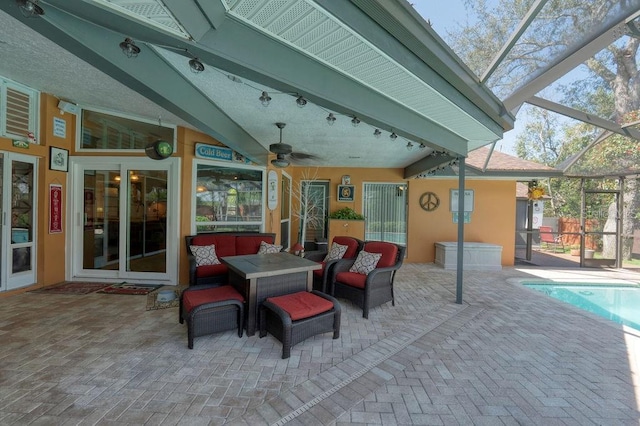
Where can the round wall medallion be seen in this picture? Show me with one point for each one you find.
(429, 201)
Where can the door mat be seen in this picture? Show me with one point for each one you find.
(152, 298)
(125, 288)
(72, 287)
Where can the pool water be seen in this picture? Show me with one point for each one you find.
(619, 303)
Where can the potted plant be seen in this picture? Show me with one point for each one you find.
(346, 213)
(346, 221)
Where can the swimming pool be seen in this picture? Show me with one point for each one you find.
(617, 302)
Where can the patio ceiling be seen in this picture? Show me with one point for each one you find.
(374, 60)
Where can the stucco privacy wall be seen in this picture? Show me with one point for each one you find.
(492, 220)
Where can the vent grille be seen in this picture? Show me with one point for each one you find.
(18, 108)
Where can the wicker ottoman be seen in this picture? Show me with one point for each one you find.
(210, 310)
(294, 317)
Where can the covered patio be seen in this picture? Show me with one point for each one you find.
(507, 355)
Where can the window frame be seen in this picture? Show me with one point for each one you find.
(80, 131)
(228, 165)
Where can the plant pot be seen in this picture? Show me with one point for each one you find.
(574, 252)
(588, 253)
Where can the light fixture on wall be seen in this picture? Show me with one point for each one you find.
(30, 8)
(331, 119)
(265, 99)
(301, 102)
(196, 66)
(129, 48)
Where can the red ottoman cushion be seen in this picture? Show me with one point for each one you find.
(302, 304)
(194, 298)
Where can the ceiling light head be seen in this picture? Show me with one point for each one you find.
(234, 78)
(355, 121)
(280, 161)
(422, 146)
(301, 102)
(409, 146)
(196, 66)
(129, 48)
(377, 133)
(265, 99)
(331, 119)
(30, 8)
(393, 136)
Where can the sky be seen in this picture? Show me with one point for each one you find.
(445, 15)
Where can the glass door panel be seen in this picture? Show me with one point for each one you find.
(21, 267)
(101, 219)
(285, 211)
(147, 233)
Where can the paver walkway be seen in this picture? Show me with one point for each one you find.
(507, 355)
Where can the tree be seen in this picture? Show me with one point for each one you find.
(611, 89)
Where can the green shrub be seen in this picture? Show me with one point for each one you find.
(346, 213)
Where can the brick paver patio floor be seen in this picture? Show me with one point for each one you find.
(507, 355)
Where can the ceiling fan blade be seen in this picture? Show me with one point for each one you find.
(302, 156)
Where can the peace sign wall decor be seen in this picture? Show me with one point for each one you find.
(429, 201)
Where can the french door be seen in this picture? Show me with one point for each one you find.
(18, 223)
(125, 219)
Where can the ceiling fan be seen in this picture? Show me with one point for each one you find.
(284, 152)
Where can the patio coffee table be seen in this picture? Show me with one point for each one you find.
(258, 276)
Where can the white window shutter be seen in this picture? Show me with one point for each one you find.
(20, 112)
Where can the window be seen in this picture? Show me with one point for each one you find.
(102, 131)
(228, 198)
(385, 209)
(18, 111)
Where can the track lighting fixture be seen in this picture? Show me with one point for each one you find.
(129, 48)
(331, 119)
(30, 8)
(422, 146)
(393, 136)
(265, 99)
(377, 133)
(301, 102)
(355, 121)
(196, 66)
(409, 146)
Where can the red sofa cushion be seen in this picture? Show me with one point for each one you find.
(353, 279)
(302, 304)
(246, 244)
(352, 246)
(211, 270)
(389, 252)
(225, 244)
(194, 298)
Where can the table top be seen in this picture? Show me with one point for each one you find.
(267, 265)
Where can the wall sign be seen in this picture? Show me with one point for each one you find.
(59, 127)
(468, 200)
(55, 208)
(346, 192)
(212, 152)
(272, 190)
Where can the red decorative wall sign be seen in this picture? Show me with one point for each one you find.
(55, 208)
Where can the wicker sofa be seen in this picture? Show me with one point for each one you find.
(227, 244)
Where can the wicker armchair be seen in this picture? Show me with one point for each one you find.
(376, 287)
(322, 277)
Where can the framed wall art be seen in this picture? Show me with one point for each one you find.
(58, 159)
